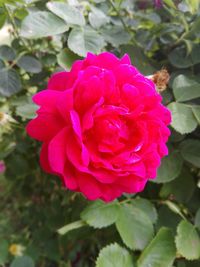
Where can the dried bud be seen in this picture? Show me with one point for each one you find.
(16, 250)
(3, 118)
(161, 79)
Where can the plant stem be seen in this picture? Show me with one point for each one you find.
(15, 32)
(118, 13)
(125, 201)
(15, 29)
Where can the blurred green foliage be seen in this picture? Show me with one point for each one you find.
(159, 227)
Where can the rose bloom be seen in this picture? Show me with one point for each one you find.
(158, 3)
(102, 126)
(2, 167)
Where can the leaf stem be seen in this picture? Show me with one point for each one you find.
(125, 201)
(71, 226)
(16, 60)
(184, 34)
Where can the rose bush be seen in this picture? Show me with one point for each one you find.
(103, 127)
(41, 223)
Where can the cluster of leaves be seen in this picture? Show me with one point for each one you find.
(160, 226)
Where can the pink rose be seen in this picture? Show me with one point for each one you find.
(103, 127)
(158, 3)
(2, 167)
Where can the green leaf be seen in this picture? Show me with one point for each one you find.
(195, 54)
(66, 58)
(187, 241)
(138, 58)
(190, 151)
(197, 219)
(27, 111)
(71, 226)
(185, 88)
(30, 64)
(7, 53)
(6, 149)
(194, 5)
(179, 57)
(100, 214)
(99, 1)
(175, 136)
(23, 261)
(2, 19)
(134, 227)
(51, 250)
(69, 14)
(49, 59)
(97, 18)
(181, 189)
(41, 24)
(170, 167)
(115, 35)
(183, 120)
(147, 207)
(189, 46)
(11, 2)
(83, 40)
(21, 13)
(114, 256)
(174, 207)
(196, 112)
(191, 264)
(2, 64)
(170, 3)
(160, 252)
(3, 251)
(167, 218)
(195, 29)
(9, 82)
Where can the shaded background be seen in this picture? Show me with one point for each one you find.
(38, 38)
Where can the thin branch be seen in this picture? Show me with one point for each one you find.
(15, 28)
(118, 13)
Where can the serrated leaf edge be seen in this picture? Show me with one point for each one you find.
(176, 242)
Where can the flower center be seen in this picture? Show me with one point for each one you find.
(112, 134)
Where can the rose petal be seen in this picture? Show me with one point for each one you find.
(125, 59)
(47, 99)
(76, 125)
(89, 186)
(44, 158)
(69, 177)
(132, 184)
(59, 81)
(57, 151)
(45, 126)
